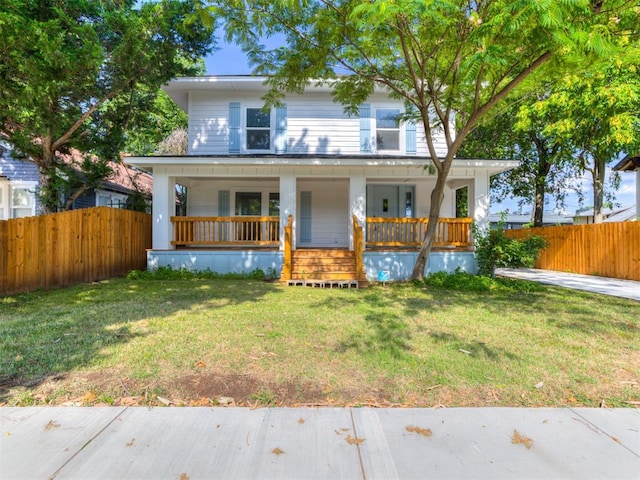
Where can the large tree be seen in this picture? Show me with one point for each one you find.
(71, 73)
(451, 61)
(546, 163)
(596, 116)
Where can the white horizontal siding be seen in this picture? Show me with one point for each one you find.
(315, 124)
(329, 212)
(202, 195)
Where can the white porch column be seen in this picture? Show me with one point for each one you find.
(357, 200)
(479, 199)
(287, 205)
(164, 205)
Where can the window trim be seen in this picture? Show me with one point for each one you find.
(399, 129)
(245, 129)
(5, 186)
(255, 194)
(121, 198)
(31, 188)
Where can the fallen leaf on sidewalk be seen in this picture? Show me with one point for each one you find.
(354, 441)
(521, 439)
(51, 425)
(422, 431)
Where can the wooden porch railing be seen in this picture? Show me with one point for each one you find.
(263, 231)
(409, 232)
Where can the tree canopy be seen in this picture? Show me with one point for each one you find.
(596, 115)
(451, 61)
(72, 71)
(547, 166)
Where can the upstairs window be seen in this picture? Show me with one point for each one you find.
(388, 129)
(258, 126)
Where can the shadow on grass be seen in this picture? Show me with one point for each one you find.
(564, 309)
(475, 348)
(386, 333)
(47, 334)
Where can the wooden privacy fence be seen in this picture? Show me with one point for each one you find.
(71, 247)
(605, 249)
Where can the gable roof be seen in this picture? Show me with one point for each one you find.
(124, 179)
(625, 215)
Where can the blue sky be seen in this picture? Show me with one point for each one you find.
(230, 60)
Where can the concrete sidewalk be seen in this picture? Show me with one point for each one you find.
(589, 283)
(300, 443)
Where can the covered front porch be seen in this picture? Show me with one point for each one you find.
(382, 246)
(240, 217)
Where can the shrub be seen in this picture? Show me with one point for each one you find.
(494, 249)
(463, 281)
(169, 273)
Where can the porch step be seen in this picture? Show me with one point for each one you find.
(323, 265)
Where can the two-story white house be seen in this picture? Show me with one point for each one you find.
(304, 189)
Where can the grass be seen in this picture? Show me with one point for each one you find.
(461, 342)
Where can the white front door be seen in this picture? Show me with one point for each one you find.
(383, 201)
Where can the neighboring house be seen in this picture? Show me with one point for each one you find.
(249, 173)
(586, 216)
(18, 186)
(19, 182)
(631, 163)
(626, 214)
(115, 190)
(514, 221)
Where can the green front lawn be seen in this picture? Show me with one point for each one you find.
(192, 341)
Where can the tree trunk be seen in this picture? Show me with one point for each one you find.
(538, 206)
(540, 188)
(597, 174)
(544, 166)
(437, 195)
(46, 171)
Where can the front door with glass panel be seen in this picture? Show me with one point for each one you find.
(390, 201)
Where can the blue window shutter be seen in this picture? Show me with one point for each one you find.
(305, 217)
(281, 129)
(410, 135)
(224, 207)
(365, 128)
(234, 127)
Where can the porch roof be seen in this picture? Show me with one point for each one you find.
(628, 163)
(357, 160)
